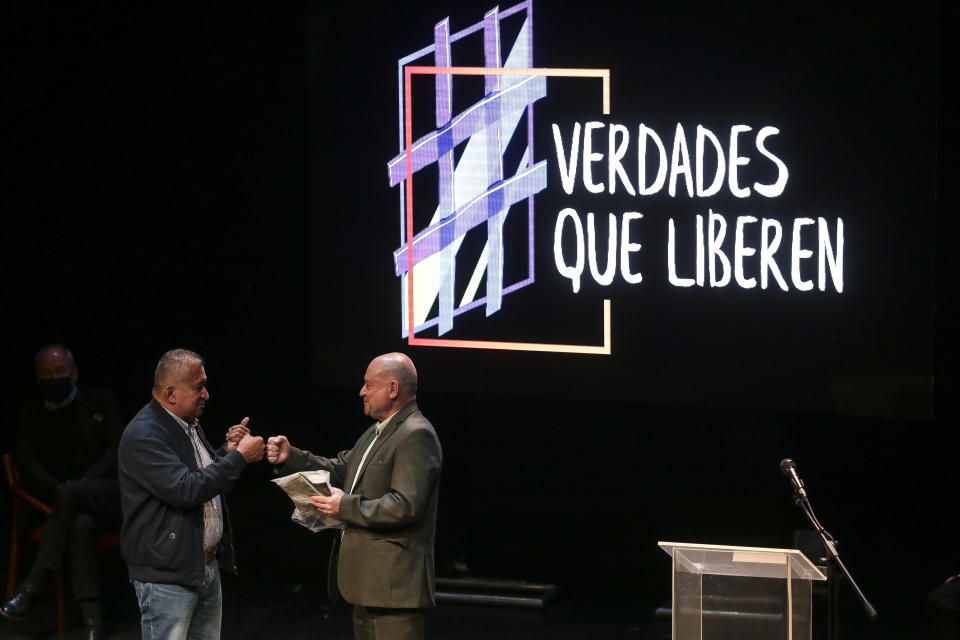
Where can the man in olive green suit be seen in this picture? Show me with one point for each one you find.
(385, 491)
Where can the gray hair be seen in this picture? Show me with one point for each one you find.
(172, 362)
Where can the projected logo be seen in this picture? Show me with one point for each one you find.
(477, 188)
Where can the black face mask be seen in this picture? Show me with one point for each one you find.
(56, 389)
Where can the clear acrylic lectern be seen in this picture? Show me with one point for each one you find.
(728, 593)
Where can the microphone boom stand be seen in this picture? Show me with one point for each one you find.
(830, 544)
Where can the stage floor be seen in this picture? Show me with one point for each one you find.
(290, 611)
(261, 607)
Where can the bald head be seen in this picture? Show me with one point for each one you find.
(54, 361)
(56, 373)
(400, 367)
(389, 383)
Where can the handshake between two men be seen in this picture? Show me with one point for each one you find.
(391, 477)
(277, 451)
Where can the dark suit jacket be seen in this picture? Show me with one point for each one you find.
(386, 553)
(98, 426)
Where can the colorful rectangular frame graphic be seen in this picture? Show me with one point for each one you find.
(409, 72)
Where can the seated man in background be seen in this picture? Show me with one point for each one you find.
(66, 453)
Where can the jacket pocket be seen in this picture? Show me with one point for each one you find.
(403, 543)
(165, 550)
(367, 567)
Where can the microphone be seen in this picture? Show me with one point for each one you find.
(789, 468)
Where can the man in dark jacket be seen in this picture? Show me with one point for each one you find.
(66, 453)
(176, 529)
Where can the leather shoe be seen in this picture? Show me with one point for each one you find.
(17, 607)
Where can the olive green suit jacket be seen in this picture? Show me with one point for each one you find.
(386, 553)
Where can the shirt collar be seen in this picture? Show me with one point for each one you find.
(180, 421)
(383, 425)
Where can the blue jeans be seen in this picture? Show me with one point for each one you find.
(172, 612)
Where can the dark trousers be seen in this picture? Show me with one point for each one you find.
(82, 509)
(943, 611)
(378, 623)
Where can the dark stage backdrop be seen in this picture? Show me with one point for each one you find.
(217, 179)
(757, 202)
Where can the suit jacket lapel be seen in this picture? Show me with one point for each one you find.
(388, 431)
(357, 454)
(83, 411)
(87, 436)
